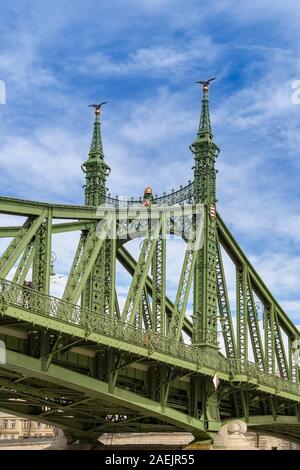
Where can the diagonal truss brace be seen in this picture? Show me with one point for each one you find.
(88, 249)
(279, 349)
(224, 306)
(140, 274)
(184, 287)
(242, 313)
(254, 328)
(19, 243)
(130, 264)
(159, 283)
(24, 265)
(269, 321)
(147, 314)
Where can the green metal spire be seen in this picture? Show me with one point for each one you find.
(95, 168)
(96, 150)
(205, 152)
(204, 125)
(205, 283)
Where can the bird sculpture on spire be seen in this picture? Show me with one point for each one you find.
(205, 83)
(97, 106)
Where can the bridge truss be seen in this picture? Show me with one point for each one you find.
(88, 366)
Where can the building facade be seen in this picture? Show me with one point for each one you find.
(13, 427)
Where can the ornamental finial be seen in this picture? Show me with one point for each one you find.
(205, 83)
(97, 107)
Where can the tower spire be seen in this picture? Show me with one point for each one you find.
(205, 152)
(95, 168)
(205, 286)
(96, 149)
(205, 125)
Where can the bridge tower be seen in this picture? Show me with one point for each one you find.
(99, 290)
(205, 282)
(95, 168)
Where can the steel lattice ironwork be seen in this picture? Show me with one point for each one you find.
(89, 363)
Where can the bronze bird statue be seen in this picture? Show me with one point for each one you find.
(205, 83)
(97, 106)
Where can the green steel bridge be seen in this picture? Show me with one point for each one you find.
(86, 365)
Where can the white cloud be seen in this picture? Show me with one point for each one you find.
(153, 60)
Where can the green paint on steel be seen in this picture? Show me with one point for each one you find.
(144, 347)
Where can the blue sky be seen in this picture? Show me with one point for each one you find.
(143, 57)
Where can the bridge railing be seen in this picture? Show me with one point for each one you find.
(183, 195)
(91, 322)
(264, 378)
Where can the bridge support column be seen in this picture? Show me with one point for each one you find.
(232, 437)
(67, 441)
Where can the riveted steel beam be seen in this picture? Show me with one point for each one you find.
(185, 282)
(24, 265)
(41, 267)
(19, 243)
(224, 306)
(238, 256)
(255, 335)
(129, 264)
(280, 349)
(88, 249)
(140, 275)
(98, 389)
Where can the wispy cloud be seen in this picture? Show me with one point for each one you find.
(154, 61)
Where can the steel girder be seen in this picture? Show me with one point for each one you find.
(185, 282)
(90, 387)
(241, 312)
(256, 341)
(19, 243)
(140, 275)
(237, 255)
(24, 265)
(77, 322)
(205, 288)
(280, 350)
(274, 319)
(224, 307)
(269, 321)
(87, 252)
(256, 286)
(159, 283)
(129, 264)
(42, 256)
